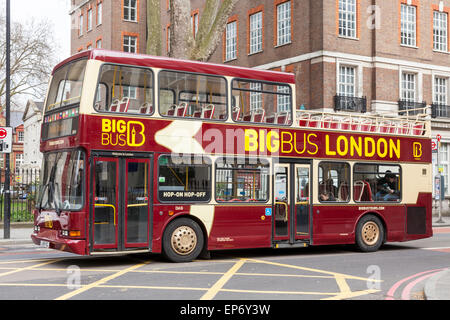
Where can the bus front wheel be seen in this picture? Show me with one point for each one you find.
(369, 233)
(183, 240)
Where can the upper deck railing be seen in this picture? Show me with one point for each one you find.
(414, 122)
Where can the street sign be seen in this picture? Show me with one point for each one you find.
(6, 134)
(434, 145)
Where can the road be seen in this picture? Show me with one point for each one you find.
(396, 272)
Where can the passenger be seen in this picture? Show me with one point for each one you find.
(387, 188)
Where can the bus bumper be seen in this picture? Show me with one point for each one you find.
(53, 240)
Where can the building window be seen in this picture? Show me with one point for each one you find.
(89, 46)
(408, 87)
(130, 10)
(440, 29)
(98, 44)
(283, 99)
(20, 136)
(194, 21)
(283, 23)
(347, 81)
(440, 90)
(89, 20)
(231, 41)
(81, 24)
(408, 25)
(19, 160)
(130, 44)
(255, 96)
(168, 36)
(256, 32)
(99, 13)
(347, 18)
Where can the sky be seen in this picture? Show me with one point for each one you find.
(55, 11)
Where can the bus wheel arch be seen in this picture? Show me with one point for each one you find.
(184, 239)
(370, 232)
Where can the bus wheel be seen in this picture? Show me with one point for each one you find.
(182, 240)
(369, 234)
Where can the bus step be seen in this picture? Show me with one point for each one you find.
(282, 245)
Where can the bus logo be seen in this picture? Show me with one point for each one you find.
(122, 133)
(417, 150)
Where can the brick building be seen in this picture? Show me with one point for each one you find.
(119, 25)
(371, 56)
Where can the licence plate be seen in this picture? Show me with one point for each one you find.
(45, 244)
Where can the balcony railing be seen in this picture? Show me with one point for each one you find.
(410, 108)
(349, 103)
(440, 110)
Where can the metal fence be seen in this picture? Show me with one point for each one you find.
(23, 190)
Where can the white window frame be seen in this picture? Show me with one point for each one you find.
(20, 136)
(255, 97)
(441, 86)
(256, 32)
(99, 43)
(81, 25)
(347, 82)
(127, 43)
(231, 41)
(99, 13)
(129, 8)
(283, 102)
(284, 23)
(408, 86)
(440, 31)
(89, 20)
(348, 18)
(408, 25)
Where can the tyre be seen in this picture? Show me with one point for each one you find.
(182, 240)
(369, 233)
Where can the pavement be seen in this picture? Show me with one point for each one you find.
(437, 287)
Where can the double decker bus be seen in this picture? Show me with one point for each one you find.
(151, 154)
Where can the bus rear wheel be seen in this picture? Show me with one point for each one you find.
(183, 240)
(369, 233)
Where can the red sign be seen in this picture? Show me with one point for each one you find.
(3, 133)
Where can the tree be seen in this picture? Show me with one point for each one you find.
(32, 59)
(183, 45)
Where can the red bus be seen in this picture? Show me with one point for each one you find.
(150, 154)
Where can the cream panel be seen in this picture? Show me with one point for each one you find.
(414, 181)
(205, 213)
(90, 86)
(178, 137)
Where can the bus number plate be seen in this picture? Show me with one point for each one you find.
(45, 244)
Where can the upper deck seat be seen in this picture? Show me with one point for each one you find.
(304, 119)
(282, 118)
(258, 115)
(114, 105)
(146, 108)
(171, 111)
(236, 113)
(418, 129)
(271, 118)
(197, 114)
(124, 104)
(181, 110)
(358, 189)
(208, 111)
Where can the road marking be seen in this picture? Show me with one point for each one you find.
(101, 281)
(29, 267)
(391, 292)
(407, 291)
(222, 281)
(441, 230)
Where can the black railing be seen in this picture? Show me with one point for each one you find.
(23, 191)
(410, 108)
(440, 110)
(349, 103)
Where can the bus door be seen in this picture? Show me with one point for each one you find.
(291, 202)
(121, 197)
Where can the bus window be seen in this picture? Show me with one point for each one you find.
(239, 180)
(184, 179)
(66, 86)
(379, 183)
(194, 95)
(262, 102)
(334, 179)
(125, 89)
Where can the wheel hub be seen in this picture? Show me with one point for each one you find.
(184, 240)
(370, 233)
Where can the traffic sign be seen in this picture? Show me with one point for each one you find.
(6, 134)
(434, 145)
(438, 137)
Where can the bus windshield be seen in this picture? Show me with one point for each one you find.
(62, 181)
(66, 85)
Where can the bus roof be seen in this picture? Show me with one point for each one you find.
(180, 65)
